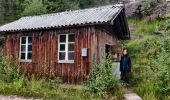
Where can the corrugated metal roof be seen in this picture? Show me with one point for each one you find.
(103, 14)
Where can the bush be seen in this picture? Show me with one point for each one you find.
(101, 78)
(151, 74)
(9, 70)
(150, 57)
(162, 82)
(12, 82)
(148, 6)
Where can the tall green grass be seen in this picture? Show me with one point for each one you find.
(143, 27)
(13, 82)
(150, 75)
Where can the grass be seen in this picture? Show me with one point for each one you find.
(141, 49)
(42, 89)
(12, 82)
(143, 27)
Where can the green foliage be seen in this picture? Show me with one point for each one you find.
(34, 7)
(151, 73)
(149, 96)
(9, 70)
(12, 82)
(61, 5)
(13, 9)
(40, 89)
(150, 55)
(132, 20)
(101, 78)
(144, 28)
(163, 70)
(87, 3)
(148, 6)
(164, 25)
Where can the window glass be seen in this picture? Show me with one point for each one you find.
(62, 55)
(71, 38)
(23, 48)
(62, 38)
(29, 47)
(62, 47)
(23, 40)
(70, 47)
(29, 39)
(71, 56)
(29, 56)
(23, 56)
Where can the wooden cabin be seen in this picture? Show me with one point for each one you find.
(64, 44)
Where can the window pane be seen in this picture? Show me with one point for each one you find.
(23, 47)
(22, 56)
(29, 56)
(29, 47)
(71, 56)
(29, 39)
(23, 40)
(62, 47)
(62, 56)
(71, 38)
(62, 38)
(70, 47)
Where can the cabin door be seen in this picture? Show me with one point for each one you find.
(108, 49)
(116, 52)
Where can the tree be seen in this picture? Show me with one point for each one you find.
(10, 10)
(34, 7)
(13, 9)
(61, 5)
(87, 3)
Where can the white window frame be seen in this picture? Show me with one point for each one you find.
(66, 49)
(26, 51)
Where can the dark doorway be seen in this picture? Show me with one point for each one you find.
(107, 49)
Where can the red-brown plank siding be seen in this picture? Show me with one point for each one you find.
(45, 52)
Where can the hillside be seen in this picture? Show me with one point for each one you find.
(149, 49)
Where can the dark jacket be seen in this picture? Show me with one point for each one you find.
(125, 63)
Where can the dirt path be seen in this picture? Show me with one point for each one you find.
(15, 98)
(130, 95)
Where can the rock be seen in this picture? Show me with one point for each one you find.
(132, 96)
(130, 8)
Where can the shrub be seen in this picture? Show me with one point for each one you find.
(19, 84)
(149, 96)
(9, 70)
(12, 82)
(162, 82)
(148, 6)
(150, 57)
(101, 78)
(151, 74)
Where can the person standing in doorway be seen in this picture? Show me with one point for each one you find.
(125, 66)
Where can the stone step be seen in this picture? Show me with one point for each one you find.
(132, 96)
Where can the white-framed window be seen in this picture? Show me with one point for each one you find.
(25, 49)
(66, 48)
